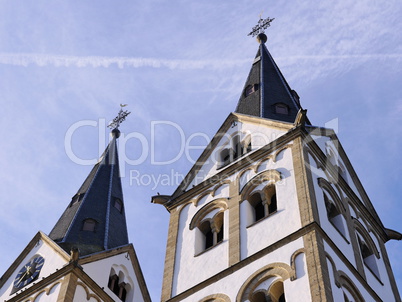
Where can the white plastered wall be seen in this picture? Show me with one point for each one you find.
(295, 291)
(383, 291)
(343, 242)
(372, 280)
(190, 268)
(285, 221)
(327, 145)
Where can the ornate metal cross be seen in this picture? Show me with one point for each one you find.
(121, 116)
(261, 26)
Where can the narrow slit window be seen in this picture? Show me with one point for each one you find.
(118, 204)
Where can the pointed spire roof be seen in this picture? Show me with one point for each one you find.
(266, 93)
(95, 218)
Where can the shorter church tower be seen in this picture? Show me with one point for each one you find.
(273, 210)
(87, 255)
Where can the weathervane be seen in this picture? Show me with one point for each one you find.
(261, 26)
(121, 116)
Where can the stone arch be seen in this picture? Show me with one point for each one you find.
(345, 282)
(268, 175)
(293, 259)
(318, 163)
(354, 208)
(89, 295)
(46, 290)
(216, 298)
(215, 204)
(366, 236)
(201, 196)
(218, 186)
(258, 165)
(274, 156)
(240, 175)
(334, 270)
(325, 185)
(278, 269)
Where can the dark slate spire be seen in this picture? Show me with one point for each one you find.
(266, 93)
(95, 218)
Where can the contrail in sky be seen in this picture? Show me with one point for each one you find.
(130, 62)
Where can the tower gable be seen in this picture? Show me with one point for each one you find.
(238, 137)
(118, 272)
(40, 246)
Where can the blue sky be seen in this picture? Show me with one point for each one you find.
(66, 62)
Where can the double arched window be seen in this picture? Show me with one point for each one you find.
(212, 230)
(118, 285)
(259, 196)
(235, 149)
(263, 203)
(208, 224)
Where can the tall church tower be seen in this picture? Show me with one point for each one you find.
(87, 256)
(273, 210)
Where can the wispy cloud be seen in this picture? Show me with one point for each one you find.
(132, 62)
(121, 62)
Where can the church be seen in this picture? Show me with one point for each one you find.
(271, 211)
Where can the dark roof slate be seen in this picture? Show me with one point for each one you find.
(95, 200)
(270, 88)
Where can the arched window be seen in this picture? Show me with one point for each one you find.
(259, 297)
(249, 148)
(120, 289)
(272, 202)
(334, 215)
(89, 225)
(225, 157)
(263, 203)
(236, 149)
(208, 223)
(256, 202)
(212, 230)
(369, 259)
(274, 294)
(206, 230)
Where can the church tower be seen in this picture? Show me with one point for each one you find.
(273, 209)
(87, 255)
